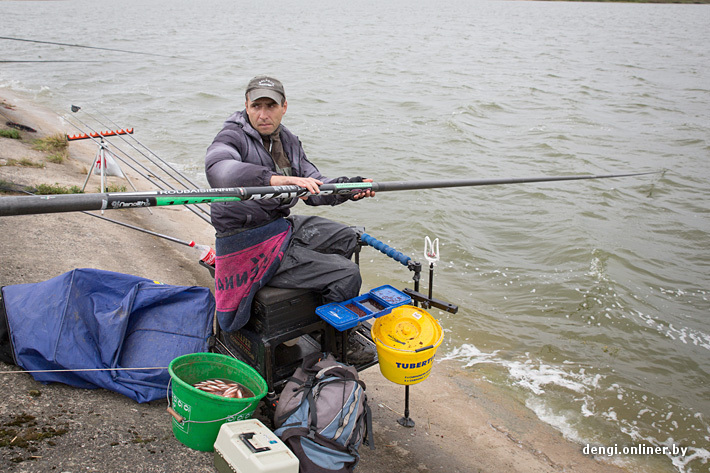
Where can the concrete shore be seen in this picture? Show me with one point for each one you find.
(463, 423)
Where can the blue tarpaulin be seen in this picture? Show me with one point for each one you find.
(91, 319)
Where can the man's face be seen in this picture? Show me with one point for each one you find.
(265, 115)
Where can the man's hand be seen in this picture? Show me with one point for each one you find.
(366, 193)
(305, 182)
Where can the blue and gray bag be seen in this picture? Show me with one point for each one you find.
(323, 416)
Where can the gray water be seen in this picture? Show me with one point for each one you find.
(587, 300)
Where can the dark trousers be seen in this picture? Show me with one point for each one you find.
(318, 258)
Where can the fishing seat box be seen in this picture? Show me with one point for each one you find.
(247, 446)
(276, 310)
(282, 330)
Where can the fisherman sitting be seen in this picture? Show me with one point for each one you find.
(258, 241)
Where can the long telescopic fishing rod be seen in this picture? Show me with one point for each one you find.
(75, 108)
(143, 175)
(82, 46)
(25, 205)
(146, 169)
(41, 60)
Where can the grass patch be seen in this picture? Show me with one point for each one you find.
(113, 188)
(55, 146)
(51, 144)
(49, 189)
(14, 134)
(56, 158)
(24, 162)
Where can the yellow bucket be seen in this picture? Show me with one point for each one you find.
(406, 340)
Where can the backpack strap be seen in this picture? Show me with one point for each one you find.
(304, 379)
(312, 415)
(307, 389)
(311, 360)
(368, 438)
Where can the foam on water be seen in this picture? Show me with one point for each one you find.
(682, 334)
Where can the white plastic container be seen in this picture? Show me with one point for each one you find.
(248, 446)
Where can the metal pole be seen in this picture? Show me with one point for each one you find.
(406, 421)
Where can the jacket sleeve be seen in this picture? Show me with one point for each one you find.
(225, 167)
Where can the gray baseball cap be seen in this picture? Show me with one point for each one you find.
(264, 86)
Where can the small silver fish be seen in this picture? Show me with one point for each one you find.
(234, 391)
(224, 388)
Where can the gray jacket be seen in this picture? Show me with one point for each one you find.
(237, 158)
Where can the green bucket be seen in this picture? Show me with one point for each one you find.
(198, 415)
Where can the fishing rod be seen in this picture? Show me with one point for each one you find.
(75, 108)
(4, 61)
(143, 175)
(206, 252)
(77, 370)
(82, 46)
(25, 205)
(190, 243)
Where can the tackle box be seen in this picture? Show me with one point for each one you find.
(376, 303)
(276, 310)
(248, 446)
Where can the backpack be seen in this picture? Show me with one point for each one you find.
(323, 416)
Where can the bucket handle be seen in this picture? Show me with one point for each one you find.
(423, 349)
(174, 413)
(429, 347)
(181, 420)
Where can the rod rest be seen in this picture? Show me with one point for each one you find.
(427, 302)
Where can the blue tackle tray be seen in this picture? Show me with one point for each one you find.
(376, 303)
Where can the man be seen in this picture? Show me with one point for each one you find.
(258, 241)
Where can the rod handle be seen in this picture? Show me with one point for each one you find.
(388, 250)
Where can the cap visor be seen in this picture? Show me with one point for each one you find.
(260, 93)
